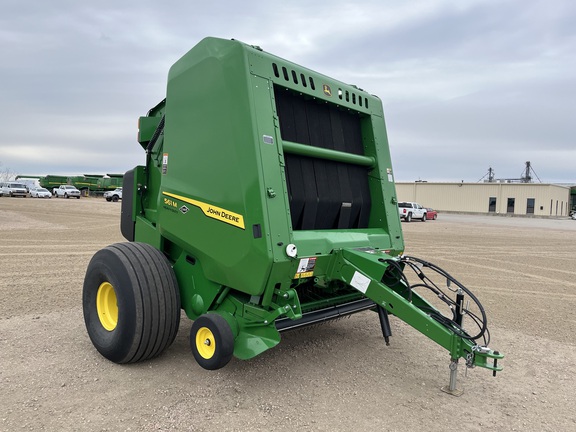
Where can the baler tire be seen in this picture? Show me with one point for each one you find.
(212, 341)
(131, 302)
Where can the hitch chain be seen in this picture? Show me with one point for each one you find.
(470, 360)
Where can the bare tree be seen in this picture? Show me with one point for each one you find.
(5, 173)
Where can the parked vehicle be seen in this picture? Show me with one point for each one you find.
(66, 191)
(114, 195)
(431, 214)
(14, 189)
(40, 193)
(87, 183)
(411, 210)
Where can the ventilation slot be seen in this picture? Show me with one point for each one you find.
(287, 73)
(294, 77)
(309, 81)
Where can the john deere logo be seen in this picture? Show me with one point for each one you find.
(327, 90)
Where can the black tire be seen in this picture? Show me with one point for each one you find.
(77, 197)
(424, 217)
(115, 198)
(435, 217)
(108, 199)
(66, 196)
(409, 217)
(137, 280)
(213, 331)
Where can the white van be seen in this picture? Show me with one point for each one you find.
(14, 189)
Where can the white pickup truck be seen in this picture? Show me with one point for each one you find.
(114, 195)
(66, 191)
(13, 189)
(411, 210)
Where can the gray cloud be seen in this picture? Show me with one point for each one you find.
(465, 85)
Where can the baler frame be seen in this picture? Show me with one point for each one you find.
(285, 217)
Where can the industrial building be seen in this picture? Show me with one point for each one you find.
(531, 199)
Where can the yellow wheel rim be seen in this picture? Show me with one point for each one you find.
(205, 343)
(107, 306)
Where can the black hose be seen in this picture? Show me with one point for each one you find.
(481, 321)
(156, 135)
(159, 130)
(398, 277)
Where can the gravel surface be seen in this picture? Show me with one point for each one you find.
(339, 376)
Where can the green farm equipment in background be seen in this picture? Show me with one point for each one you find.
(267, 203)
(88, 184)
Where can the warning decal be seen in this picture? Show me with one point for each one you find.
(164, 163)
(305, 268)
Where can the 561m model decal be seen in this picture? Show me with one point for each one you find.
(209, 210)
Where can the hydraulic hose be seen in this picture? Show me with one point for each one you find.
(480, 320)
(159, 130)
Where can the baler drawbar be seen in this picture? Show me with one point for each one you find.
(267, 203)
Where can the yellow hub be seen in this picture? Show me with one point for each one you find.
(107, 306)
(205, 343)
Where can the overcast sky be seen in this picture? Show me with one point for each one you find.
(466, 85)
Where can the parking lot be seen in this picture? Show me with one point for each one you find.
(339, 376)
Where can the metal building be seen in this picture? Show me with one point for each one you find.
(533, 199)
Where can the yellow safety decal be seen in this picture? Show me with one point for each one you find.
(305, 268)
(211, 211)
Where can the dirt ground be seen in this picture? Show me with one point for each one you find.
(338, 376)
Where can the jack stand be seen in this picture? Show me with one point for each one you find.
(451, 388)
(384, 323)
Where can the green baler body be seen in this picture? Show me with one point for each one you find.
(250, 156)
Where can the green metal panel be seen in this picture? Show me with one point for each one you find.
(52, 181)
(211, 186)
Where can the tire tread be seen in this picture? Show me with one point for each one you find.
(156, 299)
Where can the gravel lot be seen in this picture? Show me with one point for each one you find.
(338, 376)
